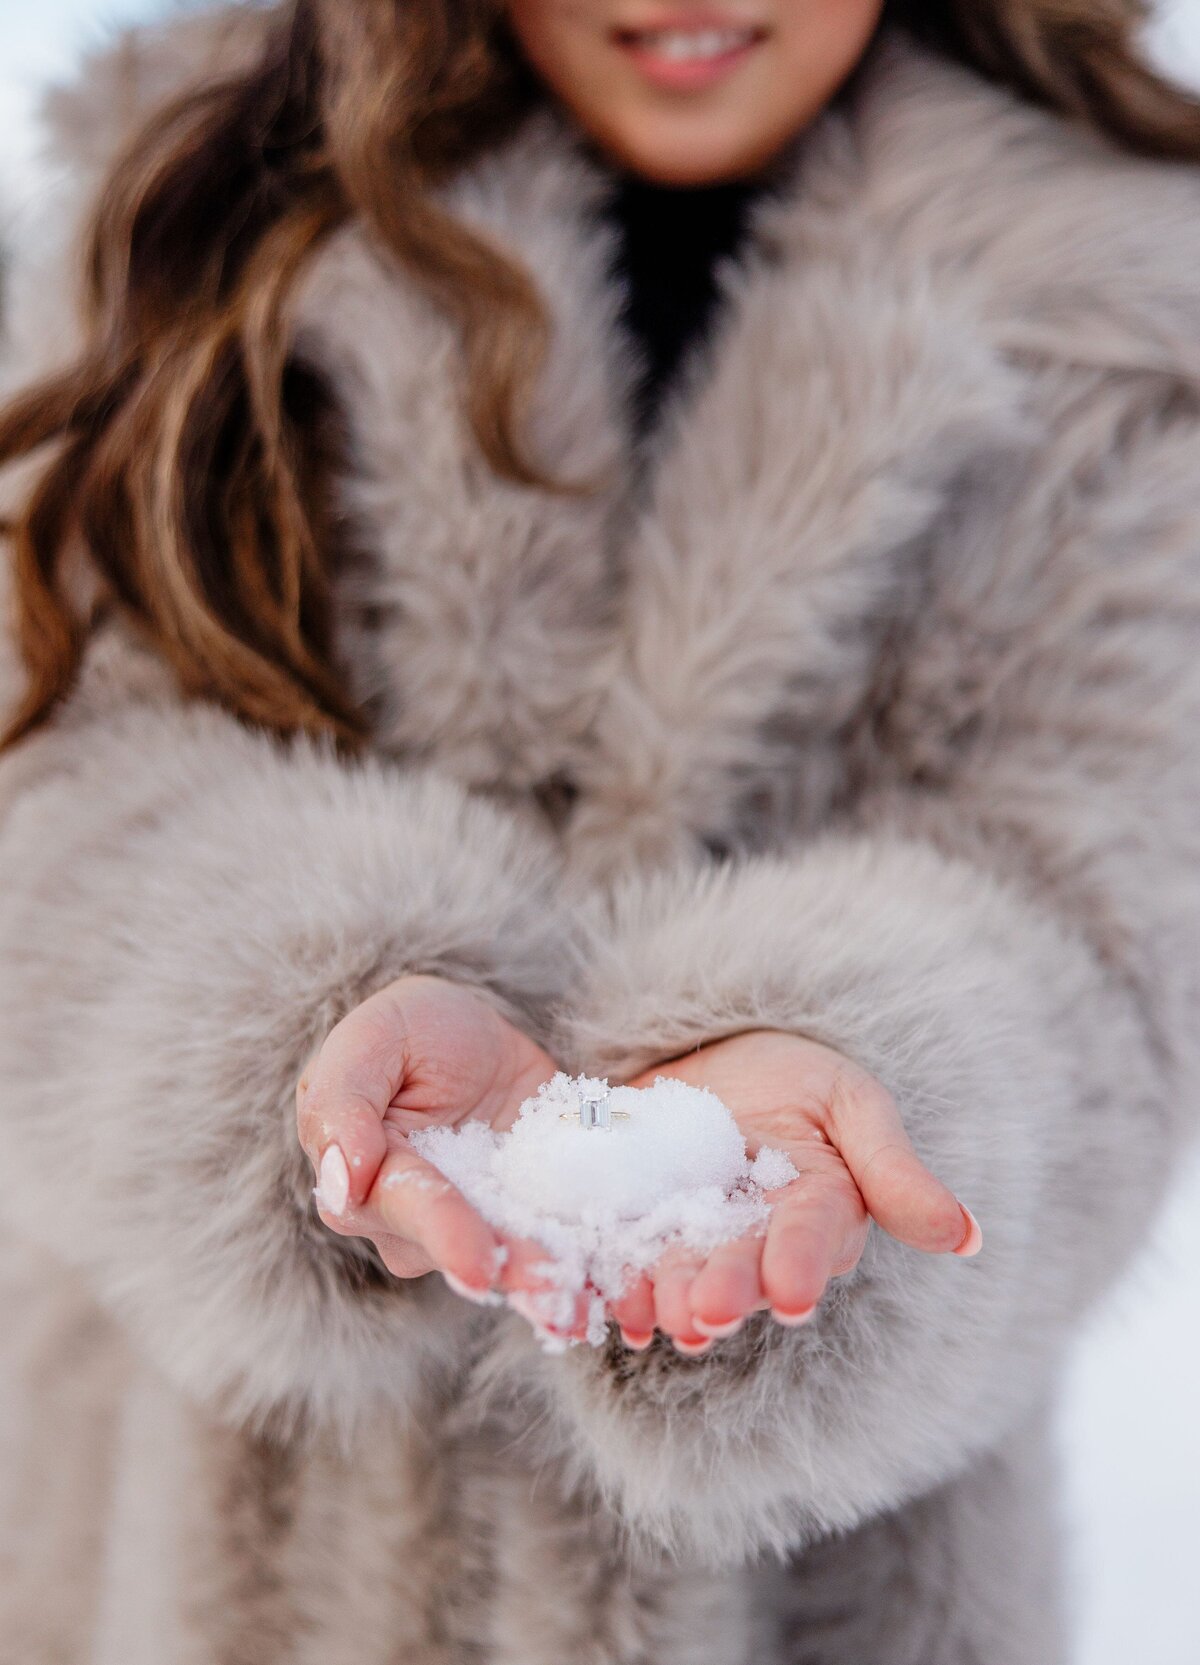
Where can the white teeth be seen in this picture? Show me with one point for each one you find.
(679, 46)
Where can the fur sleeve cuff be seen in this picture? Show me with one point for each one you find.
(1024, 1084)
(196, 907)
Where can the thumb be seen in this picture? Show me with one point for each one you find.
(901, 1194)
(341, 1102)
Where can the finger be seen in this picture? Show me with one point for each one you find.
(415, 1201)
(351, 1222)
(528, 1265)
(808, 1239)
(728, 1286)
(533, 1286)
(633, 1311)
(673, 1279)
(898, 1189)
(402, 1258)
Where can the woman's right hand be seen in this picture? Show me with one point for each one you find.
(420, 1052)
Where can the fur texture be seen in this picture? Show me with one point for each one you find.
(876, 679)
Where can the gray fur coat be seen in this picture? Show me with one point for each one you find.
(875, 682)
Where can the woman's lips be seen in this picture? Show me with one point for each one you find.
(685, 56)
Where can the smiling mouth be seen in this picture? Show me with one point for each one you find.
(687, 46)
(689, 55)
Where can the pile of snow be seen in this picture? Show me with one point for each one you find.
(605, 1203)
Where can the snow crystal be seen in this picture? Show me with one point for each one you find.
(605, 1203)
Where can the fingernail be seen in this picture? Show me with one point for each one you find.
(636, 1340)
(691, 1349)
(792, 1320)
(333, 1181)
(718, 1332)
(973, 1241)
(481, 1297)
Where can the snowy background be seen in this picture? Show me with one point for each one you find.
(1131, 1420)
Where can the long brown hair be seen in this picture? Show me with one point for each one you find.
(189, 456)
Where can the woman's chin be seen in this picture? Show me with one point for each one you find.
(682, 155)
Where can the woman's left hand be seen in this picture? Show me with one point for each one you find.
(843, 1132)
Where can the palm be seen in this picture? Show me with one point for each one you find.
(778, 1088)
(463, 1062)
(843, 1134)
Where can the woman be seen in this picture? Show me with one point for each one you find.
(567, 535)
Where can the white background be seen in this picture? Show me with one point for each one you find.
(1131, 1419)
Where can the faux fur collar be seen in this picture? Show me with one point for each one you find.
(936, 247)
(666, 641)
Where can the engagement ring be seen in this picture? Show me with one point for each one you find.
(594, 1112)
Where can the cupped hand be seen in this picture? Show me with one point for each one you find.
(842, 1130)
(420, 1052)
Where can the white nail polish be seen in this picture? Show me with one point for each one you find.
(333, 1183)
(792, 1320)
(973, 1241)
(718, 1332)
